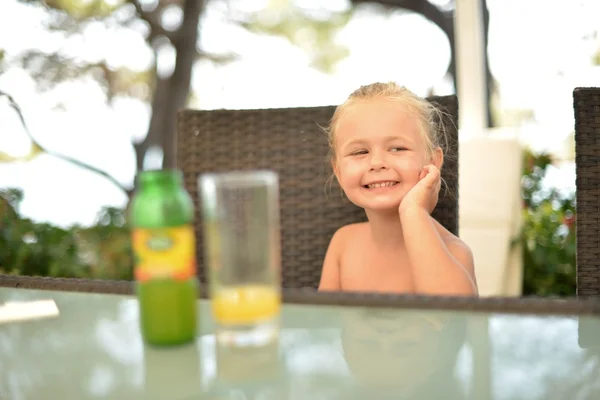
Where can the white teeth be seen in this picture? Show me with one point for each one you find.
(382, 184)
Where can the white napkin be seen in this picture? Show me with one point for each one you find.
(13, 311)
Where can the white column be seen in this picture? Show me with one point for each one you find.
(470, 67)
(490, 203)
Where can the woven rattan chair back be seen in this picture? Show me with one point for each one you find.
(586, 104)
(291, 142)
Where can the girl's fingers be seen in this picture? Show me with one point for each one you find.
(431, 173)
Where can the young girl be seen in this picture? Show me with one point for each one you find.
(386, 155)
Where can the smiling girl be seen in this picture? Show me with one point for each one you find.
(386, 153)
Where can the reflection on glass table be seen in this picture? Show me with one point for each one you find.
(416, 352)
(93, 350)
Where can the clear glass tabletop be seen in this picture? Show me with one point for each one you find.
(93, 350)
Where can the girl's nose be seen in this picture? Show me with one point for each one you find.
(377, 161)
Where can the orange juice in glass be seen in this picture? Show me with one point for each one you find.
(242, 251)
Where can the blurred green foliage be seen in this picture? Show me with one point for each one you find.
(30, 248)
(548, 232)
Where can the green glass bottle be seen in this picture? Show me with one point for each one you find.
(161, 217)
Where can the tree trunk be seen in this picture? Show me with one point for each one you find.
(171, 93)
(491, 84)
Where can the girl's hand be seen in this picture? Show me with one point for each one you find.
(424, 195)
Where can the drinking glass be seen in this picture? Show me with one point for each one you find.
(242, 251)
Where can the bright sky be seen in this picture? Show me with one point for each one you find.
(536, 68)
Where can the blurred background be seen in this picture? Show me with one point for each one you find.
(89, 90)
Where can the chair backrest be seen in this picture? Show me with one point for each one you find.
(291, 142)
(586, 104)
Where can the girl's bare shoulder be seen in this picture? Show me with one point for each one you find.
(352, 232)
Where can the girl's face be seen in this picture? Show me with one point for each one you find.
(379, 153)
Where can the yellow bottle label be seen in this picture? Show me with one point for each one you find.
(164, 253)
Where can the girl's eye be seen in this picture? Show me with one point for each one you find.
(358, 152)
(396, 149)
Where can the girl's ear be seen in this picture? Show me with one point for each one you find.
(437, 158)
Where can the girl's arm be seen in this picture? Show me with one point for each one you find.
(439, 267)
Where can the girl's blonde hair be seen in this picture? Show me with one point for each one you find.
(429, 117)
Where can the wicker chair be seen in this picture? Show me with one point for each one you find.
(290, 142)
(586, 104)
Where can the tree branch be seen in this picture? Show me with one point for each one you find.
(443, 20)
(152, 18)
(71, 160)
